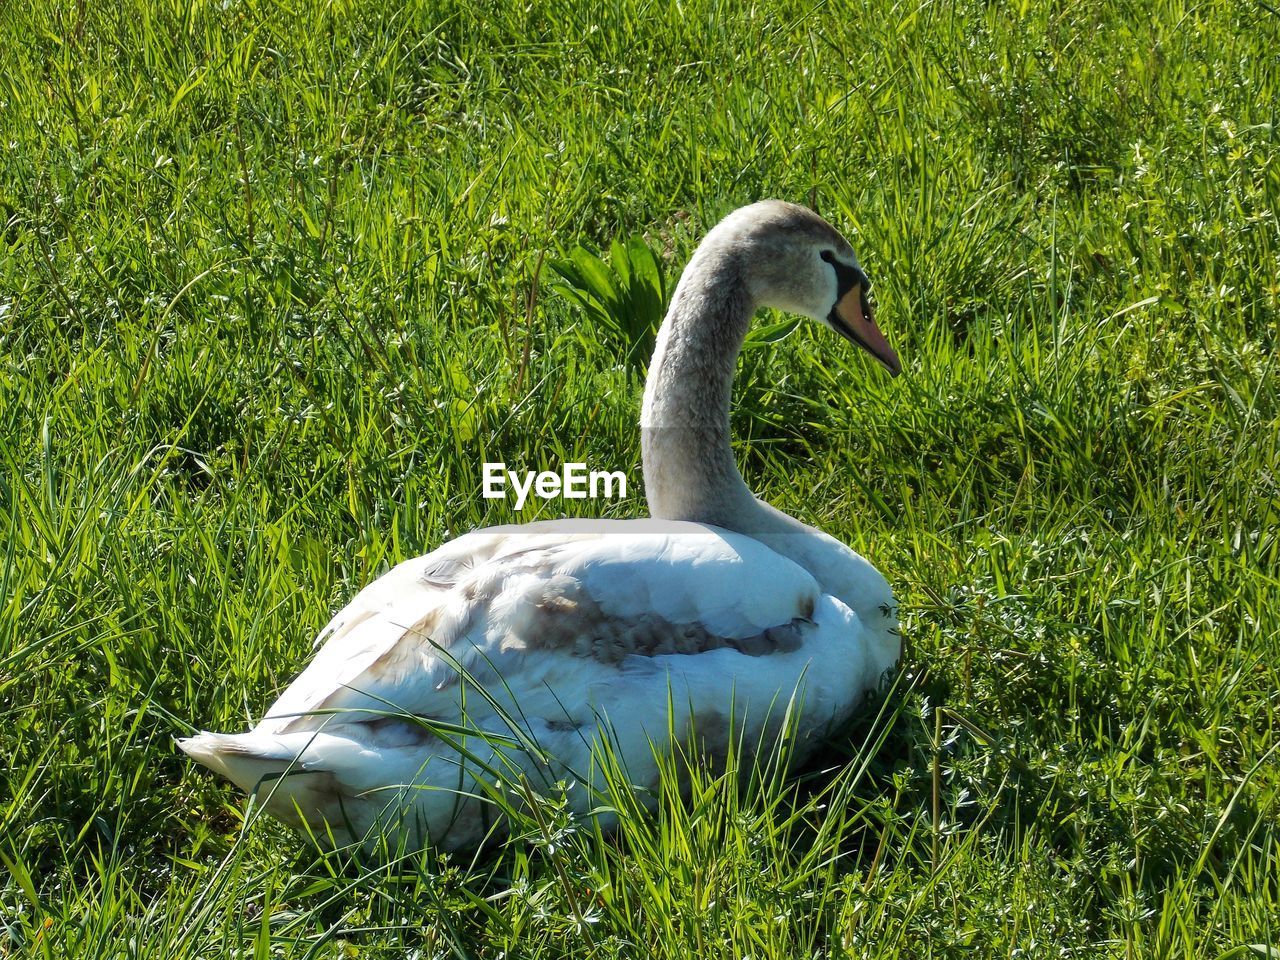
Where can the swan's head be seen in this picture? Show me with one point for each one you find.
(793, 260)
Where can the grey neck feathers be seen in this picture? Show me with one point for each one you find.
(689, 467)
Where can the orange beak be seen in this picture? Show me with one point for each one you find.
(854, 319)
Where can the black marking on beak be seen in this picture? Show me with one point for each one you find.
(846, 277)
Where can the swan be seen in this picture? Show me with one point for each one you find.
(518, 653)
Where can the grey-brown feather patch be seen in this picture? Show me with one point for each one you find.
(540, 610)
(396, 731)
(781, 639)
(557, 614)
(571, 621)
(807, 604)
(446, 572)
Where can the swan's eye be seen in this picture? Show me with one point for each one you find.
(845, 274)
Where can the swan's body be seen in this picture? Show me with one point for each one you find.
(521, 650)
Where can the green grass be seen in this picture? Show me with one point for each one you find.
(275, 278)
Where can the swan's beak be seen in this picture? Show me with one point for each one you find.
(853, 318)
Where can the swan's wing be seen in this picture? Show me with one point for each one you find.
(402, 602)
(538, 609)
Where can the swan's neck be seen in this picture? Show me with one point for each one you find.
(689, 468)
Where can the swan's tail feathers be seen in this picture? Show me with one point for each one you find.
(243, 758)
(279, 769)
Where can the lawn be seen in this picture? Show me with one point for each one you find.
(277, 278)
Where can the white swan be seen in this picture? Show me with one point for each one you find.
(564, 634)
